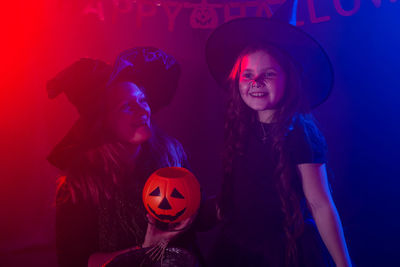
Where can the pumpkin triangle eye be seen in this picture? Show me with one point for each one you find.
(176, 194)
(156, 192)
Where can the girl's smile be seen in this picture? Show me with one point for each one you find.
(261, 82)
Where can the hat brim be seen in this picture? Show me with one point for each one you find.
(226, 43)
(64, 154)
(79, 139)
(148, 67)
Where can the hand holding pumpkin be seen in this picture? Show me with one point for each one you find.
(155, 235)
(172, 197)
(171, 194)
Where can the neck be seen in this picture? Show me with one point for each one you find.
(266, 116)
(130, 154)
(133, 149)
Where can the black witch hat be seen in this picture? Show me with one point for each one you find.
(227, 41)
(86, 82)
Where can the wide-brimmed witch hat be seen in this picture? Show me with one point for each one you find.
(87, 81)
(227, 42)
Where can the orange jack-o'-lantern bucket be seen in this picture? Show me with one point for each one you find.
(171, 194)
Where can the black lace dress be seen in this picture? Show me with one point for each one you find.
(83, 228)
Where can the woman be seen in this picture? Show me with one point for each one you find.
(275, 180)
(110, 152)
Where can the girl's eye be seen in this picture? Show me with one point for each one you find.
(266, 76)
(247, 75)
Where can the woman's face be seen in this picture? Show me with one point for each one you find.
(261, 82)
(128, 113)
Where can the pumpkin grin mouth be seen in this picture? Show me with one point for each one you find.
(167, 217)
(203, 22)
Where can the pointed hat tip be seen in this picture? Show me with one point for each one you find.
(287, 12)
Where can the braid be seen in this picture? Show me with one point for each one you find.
(290, 201)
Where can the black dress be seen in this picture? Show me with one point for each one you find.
(83, 228)
(252, 230)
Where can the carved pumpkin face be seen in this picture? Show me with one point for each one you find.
(171, 194)
(204, 18)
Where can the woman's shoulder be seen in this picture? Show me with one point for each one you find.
(172, 149)
(67, 193)
(179, 153)
(63, 193)
(71, 206)
(165, 139)
(175, 143)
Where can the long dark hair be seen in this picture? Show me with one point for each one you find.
(100, 175)
(98, 170)
(293, 109)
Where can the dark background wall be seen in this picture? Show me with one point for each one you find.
(359, 120)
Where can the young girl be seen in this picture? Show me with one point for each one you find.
(275, 180)
(110, 152)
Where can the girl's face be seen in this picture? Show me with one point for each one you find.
(129, 114)
(261, 82)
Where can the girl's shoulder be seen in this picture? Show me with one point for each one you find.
(305, 142)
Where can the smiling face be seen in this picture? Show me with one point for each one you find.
(128, 114)
(261, 83)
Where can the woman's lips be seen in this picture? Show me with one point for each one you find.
(139, 123)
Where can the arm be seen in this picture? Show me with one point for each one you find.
(316, 189)
(99, 259)
(76, 233)
(153, 237)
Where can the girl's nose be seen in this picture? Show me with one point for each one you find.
(257, 83)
